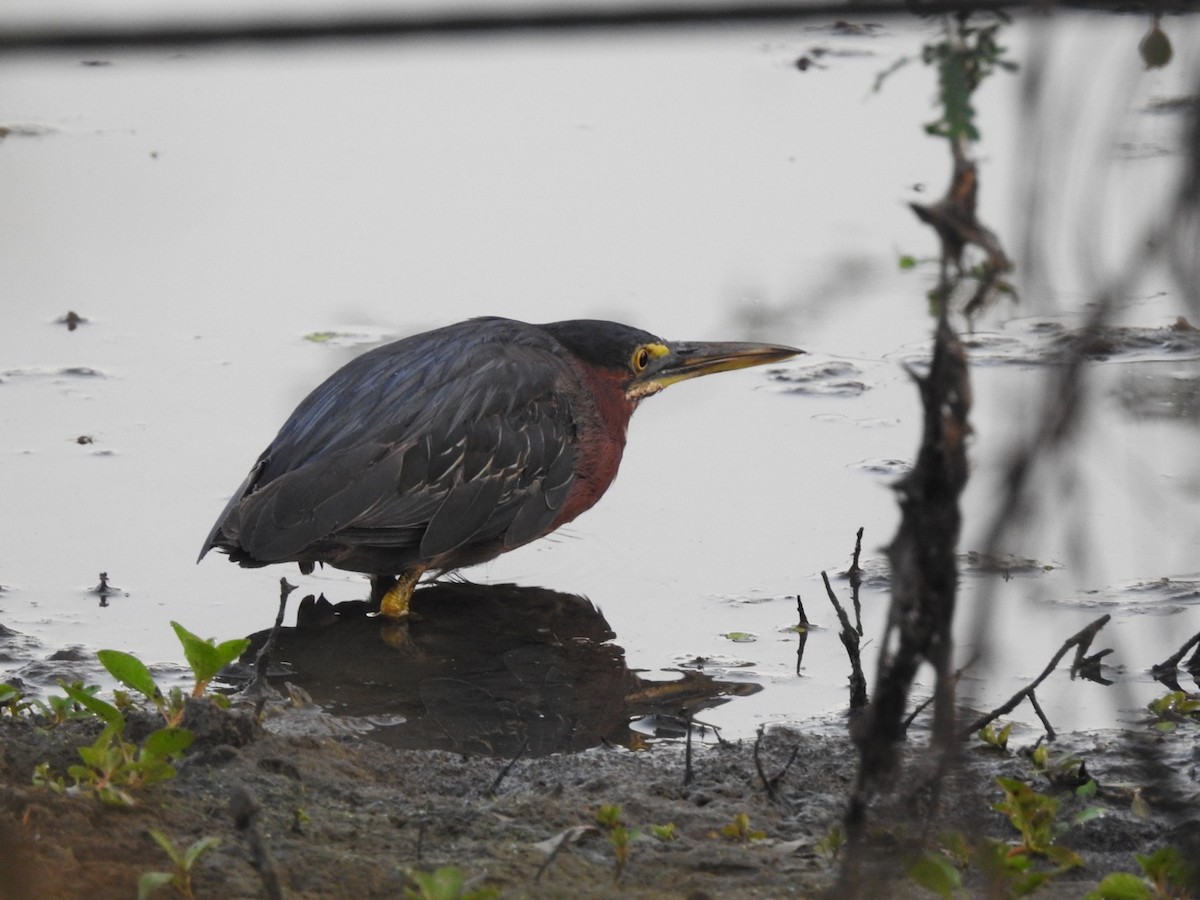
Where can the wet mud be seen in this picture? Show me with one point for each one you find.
(339, 814)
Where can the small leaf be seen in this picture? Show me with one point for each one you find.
(609, 815)
(201, 654)
(1062, 856)
(1121, 886)
(113, 796)
(206, 658)
(198, 849)
(1040, 756)
(907, 262)
(167, 845)
(106, 711)
(936, 873)
(444, 882)
(150, 882)
(9, 693)
(1164, 864)
(741, 637)
(664, 832)
(1030, 882)
(228, 651)
(1087, 790)
(168, 742)
(1091, 812)
(131, 672)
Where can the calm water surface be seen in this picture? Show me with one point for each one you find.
(207, 211)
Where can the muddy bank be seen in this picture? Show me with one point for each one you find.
(342, 815)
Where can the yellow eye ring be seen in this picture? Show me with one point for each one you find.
(641, 359)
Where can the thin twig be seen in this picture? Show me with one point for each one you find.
(802, 629)
(849, 636)
(264, 655)
(258, 686)
(1037, 708)
(1080, 641)
(1171, 663)
(855, 577)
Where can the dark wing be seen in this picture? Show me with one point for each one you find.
(458, 437)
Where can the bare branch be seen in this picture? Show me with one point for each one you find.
(1081, 641)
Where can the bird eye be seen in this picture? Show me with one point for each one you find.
(641, 359)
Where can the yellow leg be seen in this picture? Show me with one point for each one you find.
(394, 604)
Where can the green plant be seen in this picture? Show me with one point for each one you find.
(206, 657)
(44, 777)
(833, 842)
(184, 861)
(1008, 873)
(132, 672)
(936, 872)
(608, 817)
(12, 700)
(56, 710)
(664, 832)
(111, 766)
(964, 58)
(739, 830)
(997, 740)
(1165, 876)
(1173, 709)
(446, 883)
(1035, 816)
(1064, 771)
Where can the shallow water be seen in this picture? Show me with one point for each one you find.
(208, 212)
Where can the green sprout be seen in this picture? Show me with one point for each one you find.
(608, 817)
(446, 883)
(739, 830)
(997, 740)
(184, 861)
(206, 657)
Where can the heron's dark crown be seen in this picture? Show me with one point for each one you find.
(597, 342)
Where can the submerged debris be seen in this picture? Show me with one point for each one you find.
(72, 320)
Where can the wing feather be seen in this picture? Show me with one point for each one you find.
(424, 447)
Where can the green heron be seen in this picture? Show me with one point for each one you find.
(448, 448)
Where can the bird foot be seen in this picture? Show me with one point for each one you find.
(396, 601)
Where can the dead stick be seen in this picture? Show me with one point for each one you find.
(801, 633)
(858, 682)
(1037, 708)
(1172, 662)
(260, 661)
(855, 576)
(1080, 641)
